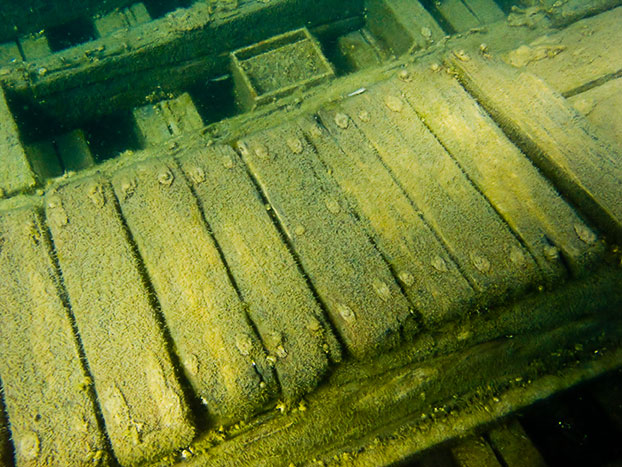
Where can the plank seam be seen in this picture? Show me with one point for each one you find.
(290, 248)
(488, 201)
(495, 450)
(592, 84)
(197, 410)
(65, 300)
(365, 224)
(440, 240)
(8, 444)
(228, 271)
(525, 149)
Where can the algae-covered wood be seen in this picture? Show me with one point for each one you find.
(143, 405)
(558, 140)
(218, 349)
(362, 297)
(15, 171)
(46, 388)
(427, 273)
(578, 57)
(486, 251)
(296, 334)
(528, 202)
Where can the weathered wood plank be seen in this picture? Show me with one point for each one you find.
(6, 449)
(578, 57)
(364, 303)
(487, 11)
(601, 106)
(488, 254)
(289, 320)
(428, 275)
(46, 388)
(219, 351)
(570, 11)
(527, 201)
(167, 54)
(514, 446)
(558, 140)
(474, 452)
(402, 24)
(457, 14)
(143, 405)
(15, 171)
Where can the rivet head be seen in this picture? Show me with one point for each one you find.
(517, 257)
(382, 290)
(333, 206)
(95, 192)
(244, 344)
(406, 278)
(439, 264)
(585, 234)
(346, 312)
(405, 76)
(480, 263)
(394, 104)
(228, 162)
(261, 151)
(197, 175)
(342, 120)
(128, 187)
(551, 252)
(166, 177)
(364, 116)
(295, 145)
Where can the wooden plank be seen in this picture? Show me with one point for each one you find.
(486, 11)
(601, 106)
(428, 275)
(457, 15)
(402, 24)
(107, 74)
(119, 19)
(578, 57)
(361, 296)
(357, 52)
(74, 151)
(159, 122)
(15, 171)
(514, 446)
(35, 46)
(568, 12)
(291, 324)
(528, 202)
(44, 160)
(474, 452)
(9, 53)
(46, 388)
(478, 240)
(560, 142)
(6, 449)
(219, 351)
(142, 402)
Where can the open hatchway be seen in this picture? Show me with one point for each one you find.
(346, 236)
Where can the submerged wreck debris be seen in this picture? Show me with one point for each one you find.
(310, 232)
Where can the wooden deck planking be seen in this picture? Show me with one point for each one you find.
(142, 402)
(559, 141)
(220, 353)
(363, 301)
